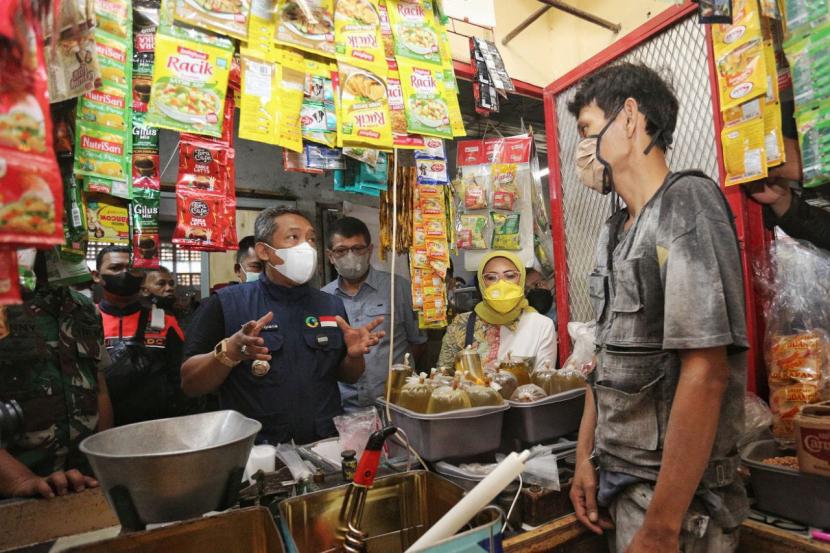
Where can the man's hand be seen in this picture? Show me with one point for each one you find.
(777, 196)
(360, 340)
(57, 483)
(647, 540)
(584, 498)
(248, 338)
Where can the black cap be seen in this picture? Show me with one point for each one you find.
(348, 453)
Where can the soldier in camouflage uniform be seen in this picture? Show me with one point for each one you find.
(52, 364)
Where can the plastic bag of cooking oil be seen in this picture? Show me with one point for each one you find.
(520, 368)
(502, 381)
(448, 398)
(528, 393)
(483, 395)
(415, 394)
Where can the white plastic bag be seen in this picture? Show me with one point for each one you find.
(582, 358)
(355, 429)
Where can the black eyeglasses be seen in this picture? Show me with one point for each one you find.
(357, 250)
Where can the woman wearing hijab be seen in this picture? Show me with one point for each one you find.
(503, 322)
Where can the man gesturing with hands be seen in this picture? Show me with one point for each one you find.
(275, 349)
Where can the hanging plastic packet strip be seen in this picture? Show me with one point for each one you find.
(145, 25)
(432, 171)
(296, 162)
(119, 189)
(290, 100)
(31, 204)
(101, 152)
(433, 149)
(258, 107)
(199, 220)
(474, 169)
(190, 81)
(386, 36)
(114, 17)
(205, 167)
(425, 99)
(114, 59)
(744, 152)
(742, 74)
(146, 171)
(357, 35)
(320, 157)
(307, 25)
(229, 236)
(319, 116)
(364, 109)
(262, 25)
(225, 17)
(506, 231)
(773, 137)
(145, 238)
(745, 26)
(104, 107)
(108, 219)
(413, 26)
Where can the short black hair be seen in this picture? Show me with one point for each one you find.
(611, 86)
(349, 227)
(244, 245)
(159, 269)
(112, 248)
(266, 222)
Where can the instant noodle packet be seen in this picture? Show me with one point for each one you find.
(101, 152)
(506, 231)
(413, 26)
(364, 109)
(742, 74)
(108, 219)
(226, 17)
(425, 99)
(357, 36)
(744, 152)
(307, 25)
(190, 80)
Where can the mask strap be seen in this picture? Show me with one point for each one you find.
(607, 174)
(653, 141)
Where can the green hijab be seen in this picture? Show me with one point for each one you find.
(484, 310)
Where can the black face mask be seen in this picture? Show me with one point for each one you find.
(540, 299)
(123, 284)
(163, 302)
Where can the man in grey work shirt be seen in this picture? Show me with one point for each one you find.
(365, 292)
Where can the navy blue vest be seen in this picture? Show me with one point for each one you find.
(299, 396)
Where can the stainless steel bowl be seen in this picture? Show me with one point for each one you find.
(171, 469)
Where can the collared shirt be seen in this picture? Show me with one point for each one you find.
(371, 302)
(49, 363)
(531, 335)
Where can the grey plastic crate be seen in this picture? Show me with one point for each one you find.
(461, 433)
(545, 419)
(804, 498)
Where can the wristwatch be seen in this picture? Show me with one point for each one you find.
(220, 353)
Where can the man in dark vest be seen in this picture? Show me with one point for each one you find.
(276, 348)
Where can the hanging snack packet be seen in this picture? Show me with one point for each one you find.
(258, 107)
(307, 25)
(145, 239)
(773, 94)
(199, 219)
(225, 17)
(471, 231)
(262, 26)
(101, 152)
(397, 114)
(433, 148)
(320, 157)
(744, 152)
(205, 166)
(475, 190)
(425, 98)
(743, 112)
(364, 108)
(145, 25)
(413, 26)
(190, 80)
(506, 231)
(31, 201)
(357, 38)
(108, 219)
(104, 107)
(72, 64)
(431, 171)
(369, 156)
(114, 17)
(146, 176)
(745, 26)
(114, 59)
(505, 186)
(119, 189)
(742, 74)
(318, 115)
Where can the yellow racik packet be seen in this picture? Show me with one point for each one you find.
(307, 25)
(425, 99)
(363, 116)
(413, 26)
(744, 152)
(226, 17)
(357, 38)
(262, 25)
(258, 108)
(742, 74)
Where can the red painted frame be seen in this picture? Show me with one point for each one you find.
(749, 222)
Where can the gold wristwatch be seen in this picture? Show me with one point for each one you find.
(220, 353)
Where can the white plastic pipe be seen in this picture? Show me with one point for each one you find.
(479, 497)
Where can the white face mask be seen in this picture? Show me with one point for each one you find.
(250, 276)
(299, 262)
